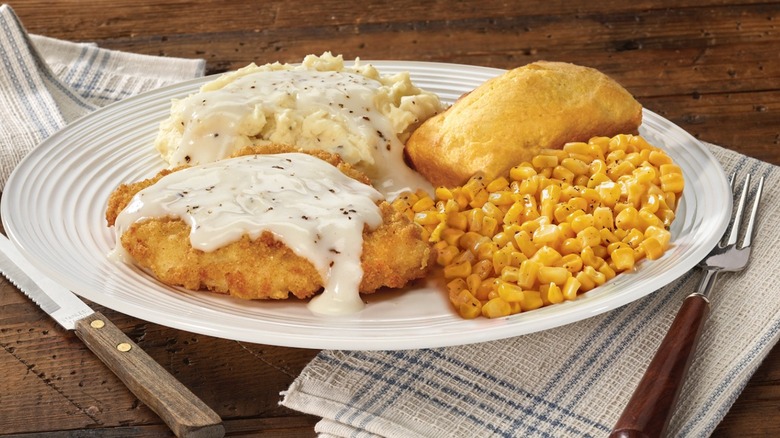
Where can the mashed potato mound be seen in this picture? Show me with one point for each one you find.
(355, 112)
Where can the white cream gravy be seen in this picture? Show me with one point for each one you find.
(344, 107)
(306, 203)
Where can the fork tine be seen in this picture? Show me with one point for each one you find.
(738, 216)
(748, 239)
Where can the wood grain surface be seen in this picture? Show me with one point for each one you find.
(712, 67)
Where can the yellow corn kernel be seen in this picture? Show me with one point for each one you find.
(544, 161)
(446, 255)
(515, 213)
(525, 244)
(620, 142)
(583, 149)
(662, 235)
(571, 246)
(470, 309)
(479, 199)
(669, 169)
(586, 282)
(575, 166)
(634, 237)
(598, 174)
(501, 197)
(443, 193)
(551, 274)
(485, 288)
(581, 180)
(563, 174)
(562, 211)
(473, 282)
(492, 210)
(455, 286)
(516, 257)
(645, 174)
(659, 158)
(496, 308)
(623, 258)
(451, 236)
(652, 248)
(589, 257)
(425, 203)
(546, 256)
(547, 235)
(526, 277)
(570, 288)
(497, 184)
(483, 268)
(609, 193)
(634, 158)
(521, 172)
(608, 237)
(672, 182)
(510, 274)
(460, 270)
(531, 300)
(429, 217)
(627, 219)
(470, 240)
(581, 222)
(578, 203)
(597, 277)
(650, 203)
(600, 251)
(571, 262)
(457, 220)
(489, 226)
(608, 271)
(551, 294)
(589, 237)
(510, 292)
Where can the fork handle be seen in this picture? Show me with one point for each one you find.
(648, 412)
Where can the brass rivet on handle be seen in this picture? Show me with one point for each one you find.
(123, 347)
(98, 323)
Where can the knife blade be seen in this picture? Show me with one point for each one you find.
(177, 406)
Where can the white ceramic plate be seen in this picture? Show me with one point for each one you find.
(53, 209)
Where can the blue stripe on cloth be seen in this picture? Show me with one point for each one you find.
(45, 123)
(464, 387)
(73, 67)
(87, 67)
(97, 74)
(43, 67)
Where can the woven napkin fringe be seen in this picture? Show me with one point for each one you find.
(569, 381)
(47, 83)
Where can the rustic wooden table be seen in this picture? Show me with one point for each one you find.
(713, 67)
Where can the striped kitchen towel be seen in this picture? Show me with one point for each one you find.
(46, 83)
(571, 381)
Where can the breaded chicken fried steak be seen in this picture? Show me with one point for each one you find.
(260, 226)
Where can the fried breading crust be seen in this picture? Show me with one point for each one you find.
(393, 254)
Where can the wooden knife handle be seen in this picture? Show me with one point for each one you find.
(182, 411)
(648, 412)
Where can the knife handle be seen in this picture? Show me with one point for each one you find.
(648, 412)
(179, 408)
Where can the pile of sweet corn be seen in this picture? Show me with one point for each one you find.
(562, 224)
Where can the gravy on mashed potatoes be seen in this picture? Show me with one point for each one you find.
(355, 112)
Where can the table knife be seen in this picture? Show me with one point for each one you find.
(182, 411)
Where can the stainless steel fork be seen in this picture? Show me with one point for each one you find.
(648, 412)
